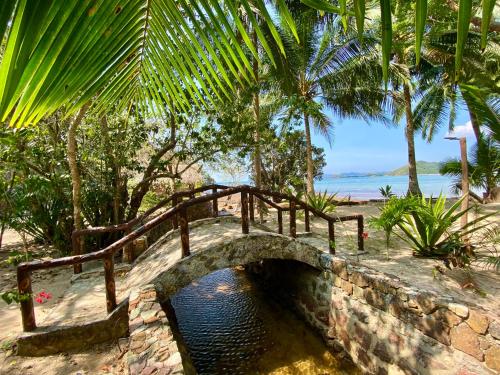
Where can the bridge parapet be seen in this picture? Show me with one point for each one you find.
(178, 215)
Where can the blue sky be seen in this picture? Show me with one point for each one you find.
(361, 147)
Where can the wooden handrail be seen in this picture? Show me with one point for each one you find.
(179, 210)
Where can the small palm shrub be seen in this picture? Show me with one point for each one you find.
(323, 202)
(391, 216)
(428, 228)
(386, 191)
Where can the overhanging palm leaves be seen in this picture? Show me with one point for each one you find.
(463, 21)
(157, 52)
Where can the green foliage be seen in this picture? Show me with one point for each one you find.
(17, 257)
(323, 202)
(391, 215)
(14, 296)
(283, 158)
(483, 168)
(386, 191)
(428, 228)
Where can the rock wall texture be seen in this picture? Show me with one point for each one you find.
(152, 348)
(57, 339)
(386, 326)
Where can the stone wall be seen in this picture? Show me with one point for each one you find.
(386, 326)
(152, 348)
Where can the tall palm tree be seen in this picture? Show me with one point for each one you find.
(484, 166)
(328, 70)
(478, 90)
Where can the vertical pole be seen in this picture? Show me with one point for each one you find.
(77, 250)
(27, 309)
(361, 241)
(251, 207)
(293, 222)
(280, 221)
(128, 249)
(465, 186)
(306, 220)
(183, 221)
(331, 236)
(244, 213)
(215, 207)
(175, 223)
(109, 279)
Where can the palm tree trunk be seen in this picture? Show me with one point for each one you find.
(76, 181)
(474, 121)
(413, 188)
(257, 158)
(309, 157)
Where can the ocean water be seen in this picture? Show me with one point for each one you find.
(367, 187)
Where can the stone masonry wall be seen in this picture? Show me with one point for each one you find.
(152, 348)
(386, 326)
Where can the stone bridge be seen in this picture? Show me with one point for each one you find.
(216, 244)
(384, 324)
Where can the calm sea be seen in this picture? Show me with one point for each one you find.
(367, 187)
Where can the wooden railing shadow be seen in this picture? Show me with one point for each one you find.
(178, 214)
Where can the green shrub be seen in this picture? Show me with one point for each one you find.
(391, 216)
(428, 228)
(323, 202)
(386, 191)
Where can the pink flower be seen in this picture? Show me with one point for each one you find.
(365, 235)
(43, 296)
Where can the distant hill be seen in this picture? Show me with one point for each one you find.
(423, 167)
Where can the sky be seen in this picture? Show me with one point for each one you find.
(361, 147)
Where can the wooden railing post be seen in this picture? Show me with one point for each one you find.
(251, 207)
(306, 220)
(293, 221)
(109, 279)
(27, 309)
(76, 242)
(215, 206)
(128, 249)
(280, 221)
(175, 223)
(361, 240)
(183, 221)
(331, 236)
(244, 213)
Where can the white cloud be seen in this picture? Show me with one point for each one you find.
(461, 130)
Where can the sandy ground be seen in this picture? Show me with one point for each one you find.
(100, 359)
(104, 358)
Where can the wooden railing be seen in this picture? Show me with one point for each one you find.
(178, 214)
(77, 236)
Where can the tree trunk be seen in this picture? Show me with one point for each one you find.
(309, 157)
(257, 158)
(73, 167)
(116, 168)
(474, 121)
(143, 187)
(413, 188)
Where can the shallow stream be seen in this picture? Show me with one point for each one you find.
(229, 325)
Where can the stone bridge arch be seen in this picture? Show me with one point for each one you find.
(239, 251)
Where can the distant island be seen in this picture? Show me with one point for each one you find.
(423, 167)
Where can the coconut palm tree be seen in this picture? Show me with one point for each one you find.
(484, 166)
(327, 71)
(440, 95)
